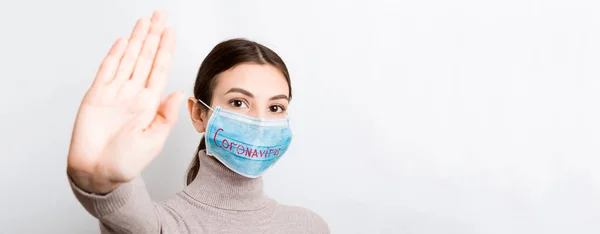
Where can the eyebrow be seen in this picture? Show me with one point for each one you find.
(280, 96)
(242, 91)
(249, 94)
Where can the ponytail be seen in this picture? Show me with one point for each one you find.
(195, 165)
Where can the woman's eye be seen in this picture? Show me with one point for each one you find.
(276, 109)
(238, 103)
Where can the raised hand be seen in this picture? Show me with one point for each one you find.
(122, 124)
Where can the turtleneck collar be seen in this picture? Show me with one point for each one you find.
(218, 186)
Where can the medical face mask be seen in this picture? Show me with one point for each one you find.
(246, 145)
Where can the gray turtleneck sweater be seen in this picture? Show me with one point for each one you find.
(217, 201)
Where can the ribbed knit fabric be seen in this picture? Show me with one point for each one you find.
(217, 201)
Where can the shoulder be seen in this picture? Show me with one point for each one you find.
(304, 217)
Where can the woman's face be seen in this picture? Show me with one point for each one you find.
(256, 90)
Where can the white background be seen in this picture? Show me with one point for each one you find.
(427, 116)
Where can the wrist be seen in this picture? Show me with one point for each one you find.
(91, 183)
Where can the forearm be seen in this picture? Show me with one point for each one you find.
(126, 209)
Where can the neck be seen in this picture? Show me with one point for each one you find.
(217, 186)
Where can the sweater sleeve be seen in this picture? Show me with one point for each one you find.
(127, 209)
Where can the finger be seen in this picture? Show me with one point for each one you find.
(138, 35)
(110, 64)
(166, 115)
(144, 62)
(162, 63)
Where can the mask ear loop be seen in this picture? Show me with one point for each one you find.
(205, 105)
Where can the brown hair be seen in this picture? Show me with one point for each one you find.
(222, 57)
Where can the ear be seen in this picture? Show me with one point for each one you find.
(199, 119)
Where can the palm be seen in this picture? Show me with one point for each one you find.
(122, 123)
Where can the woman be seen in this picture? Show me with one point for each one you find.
(240, 99)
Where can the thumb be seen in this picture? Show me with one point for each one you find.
(166, 115)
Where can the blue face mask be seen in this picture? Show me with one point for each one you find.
(246, 145)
